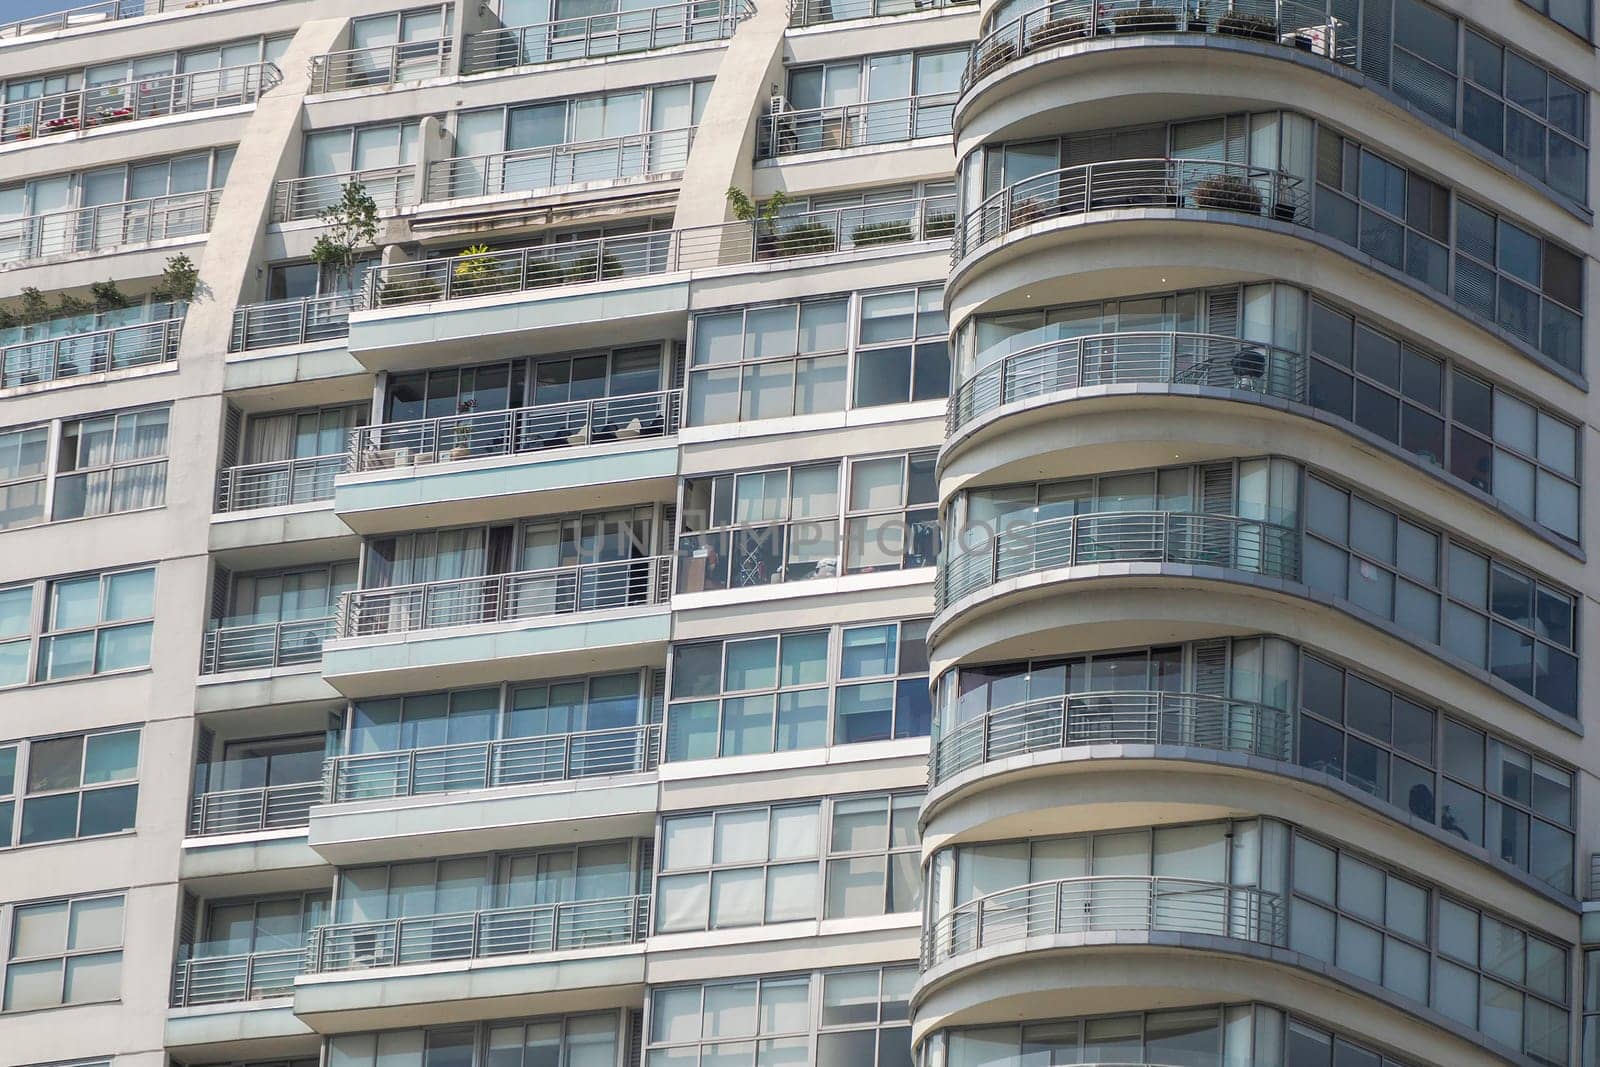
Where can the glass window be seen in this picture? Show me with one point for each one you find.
(64, 952)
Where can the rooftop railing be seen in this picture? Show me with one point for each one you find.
(270, 485)
(1295, 23)
(1107, 904)
(147, 98)
(490, 764)
(1193, 720)
(103, 226)
(93, 14)
(202, 978)
(594, 36)
(787, 133)
(516, 431)
(385, 64)
(661, 251)
(1051, 360)
(53, 359)
(505, 597)
(478, 935)
(1250, 545)
(528, 169)
(292, 322)
(253, 646)
(391, 189)
(820, 12)
(1204, 184)
(239, 811)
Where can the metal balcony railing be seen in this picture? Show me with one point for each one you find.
(292, 322)
(252, 646)
(787, 133)
(505, 597)
(1250, 545)
(75, 355)
(1050, 360)
(478, 935)
(92, 14)
(205, 979)
(527, 169)
(272, 485)
(1193, 720)
(515, 431)
(821, 12)
(385, 64)
(146, 98)
(1594, 876)
(1135, 183)
(238, 811)
(603, 35)
(391, 189)
(490, 764)
(1106, 904)
(661, 251)
(1296, 23)
(103, 226)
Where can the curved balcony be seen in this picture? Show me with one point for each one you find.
(1172, 184)
(1051, 360)
(478, 935)
(1293, 23)
(491, 764)
(1192, 720)
(1101, 904)
(1253, 546)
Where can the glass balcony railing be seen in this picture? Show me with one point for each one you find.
(292, 322)
(104, 226)
(1226, 541)
(643, 416)
(270, 485)
(1193, 720)
(478, 935)
(148, 98)
(527, 169)
(1052, 359)
(387, 64)
(391, 189)
(204, 977)
(1202, 184)
(1296, 23)
(637, 255)
(254, 646)
(490, 764)
(1106, 904)
(788, 133)
(505, 597)
(821, 12)
(52, 359)
(595, 36)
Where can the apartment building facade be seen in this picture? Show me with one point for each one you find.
(851, 532)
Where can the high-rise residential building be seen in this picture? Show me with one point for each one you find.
(745, 533)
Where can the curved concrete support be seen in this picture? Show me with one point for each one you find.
(724, 143)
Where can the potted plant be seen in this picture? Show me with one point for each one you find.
(352, 224)
(180, 279)
(544, 272)
(62, 124)
(22, 133)
(1227, 192)
(107, 115)
(763, 217)
(1147, 18)
(1250, 27)
(461, 432)
(478, 271)
(805, 238)
(881, 233)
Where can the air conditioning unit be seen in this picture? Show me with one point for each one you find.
(777, 105)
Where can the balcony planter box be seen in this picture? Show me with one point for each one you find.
(880, 233)
(938, 224)
(1147, 19)
(60, 125)
(409, 291)
(1227, 192)
(1028, 210)
(993, 58)
(1058, 31)
(1250, 27)
(594, 268)
(121, 114)
(543, 273)
(804, 239)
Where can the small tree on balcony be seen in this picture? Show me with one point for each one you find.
(180, 279)
(352, 226)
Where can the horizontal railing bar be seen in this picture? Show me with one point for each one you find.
(149, 97)
(588, 36)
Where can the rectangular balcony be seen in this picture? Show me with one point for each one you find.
(53, 359)
(528, 170)
(303, 480)
(257, 646)
(391, 189)
(202, 978)
(102, 227)
(595, 36)
(292, 322)
(148, 98)
(93, 14)
(242, 811)
(876, 122)
(388, 64)
(804, 13)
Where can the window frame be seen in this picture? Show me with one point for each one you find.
(12, 913)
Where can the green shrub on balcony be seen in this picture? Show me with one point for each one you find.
(1251, 27)
(881, 233)
(1227, 192)
(806, 238)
